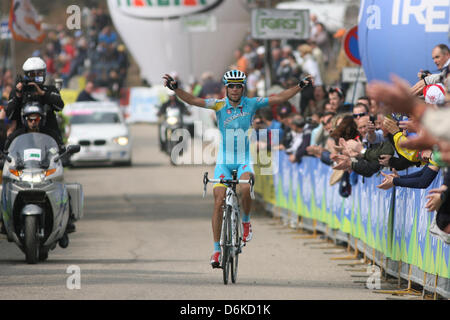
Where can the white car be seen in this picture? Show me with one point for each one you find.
(100, 129)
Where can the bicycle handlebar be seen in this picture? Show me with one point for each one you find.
(250, 181)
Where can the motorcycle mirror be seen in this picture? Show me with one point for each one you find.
(73, 148)
(5, 155)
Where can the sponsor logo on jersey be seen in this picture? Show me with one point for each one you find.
(234, 117)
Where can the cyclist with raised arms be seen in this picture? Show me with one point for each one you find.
(234, 118)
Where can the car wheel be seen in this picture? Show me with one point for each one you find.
(125, 164)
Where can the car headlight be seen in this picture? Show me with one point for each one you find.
(121, 141)
(172, 120)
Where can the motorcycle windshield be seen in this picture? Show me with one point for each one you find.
(33, 150)
(173, 112)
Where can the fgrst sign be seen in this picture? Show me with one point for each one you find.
(280, 24)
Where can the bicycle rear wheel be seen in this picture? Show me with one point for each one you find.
(226, 236)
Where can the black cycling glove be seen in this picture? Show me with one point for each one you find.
(171, 83)
(306, 82)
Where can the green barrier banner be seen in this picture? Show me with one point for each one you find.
(394, 222)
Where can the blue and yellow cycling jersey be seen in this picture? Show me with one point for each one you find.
(234, 124)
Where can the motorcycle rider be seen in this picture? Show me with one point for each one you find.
(33, 119)
(30, 87)
(173, 102)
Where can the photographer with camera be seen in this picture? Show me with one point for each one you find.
(441, 58)
(30, 87)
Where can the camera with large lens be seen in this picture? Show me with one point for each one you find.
(424, 74)
(28, 89)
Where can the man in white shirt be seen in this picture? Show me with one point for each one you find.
(308, 64)
(297, 130)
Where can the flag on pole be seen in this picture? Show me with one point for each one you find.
(24, 22)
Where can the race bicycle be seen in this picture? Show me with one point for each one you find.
(231, 236)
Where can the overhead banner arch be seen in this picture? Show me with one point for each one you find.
(156, 35)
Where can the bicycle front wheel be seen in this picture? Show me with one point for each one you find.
(235, 258)
(226, 248)
(237, 249)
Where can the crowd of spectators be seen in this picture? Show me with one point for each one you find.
(93, 52)
(393, 128)
(290, 61)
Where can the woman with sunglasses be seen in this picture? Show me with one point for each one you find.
(234, 118)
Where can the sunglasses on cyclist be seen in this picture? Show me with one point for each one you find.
(232, 86)
(357, 115)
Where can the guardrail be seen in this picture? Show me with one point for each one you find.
(389, 227)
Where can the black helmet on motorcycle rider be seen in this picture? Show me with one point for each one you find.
(33, 115)
(35, 70)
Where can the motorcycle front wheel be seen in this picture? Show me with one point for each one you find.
(31, 241)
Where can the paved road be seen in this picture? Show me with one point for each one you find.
(146, 235)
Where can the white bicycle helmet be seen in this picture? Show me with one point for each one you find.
(35, 69)
(234, 76)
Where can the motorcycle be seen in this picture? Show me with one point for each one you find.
(173, 120)
(36, 203)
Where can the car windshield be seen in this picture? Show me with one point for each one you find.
(94, 118)
(33, 150)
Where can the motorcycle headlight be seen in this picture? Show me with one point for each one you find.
(33, 177)
(121, 141)
(172, 120)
